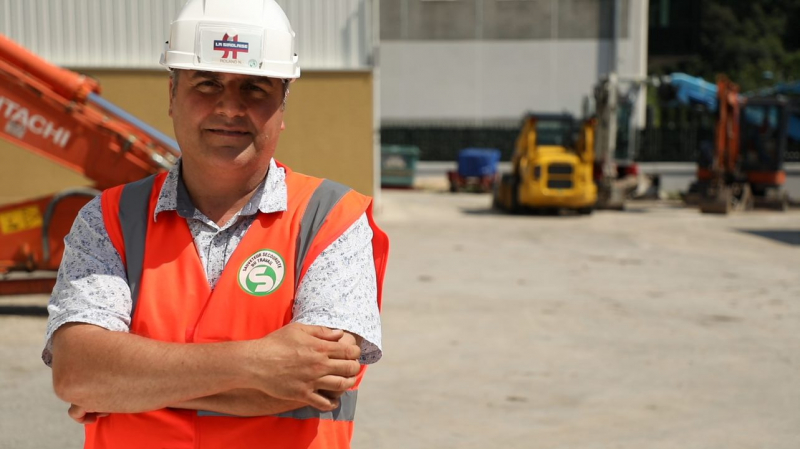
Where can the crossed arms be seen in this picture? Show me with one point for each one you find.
(101, 371)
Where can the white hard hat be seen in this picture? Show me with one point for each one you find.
(251, 37)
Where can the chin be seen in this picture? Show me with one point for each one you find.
(233, 157)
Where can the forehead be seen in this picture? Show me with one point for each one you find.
(229, 77)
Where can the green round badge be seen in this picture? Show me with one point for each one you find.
(262, 273)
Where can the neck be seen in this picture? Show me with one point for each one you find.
(220, 192)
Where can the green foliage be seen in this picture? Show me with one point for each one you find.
(756, 43)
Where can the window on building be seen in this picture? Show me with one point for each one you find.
(517, 19)
(441, 19)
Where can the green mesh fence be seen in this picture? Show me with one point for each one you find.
(677, 135)
(442, 143)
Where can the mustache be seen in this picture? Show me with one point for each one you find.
(222, 123)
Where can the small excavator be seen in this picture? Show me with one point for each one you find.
(60, 115)
(743, 168)
(616, 179)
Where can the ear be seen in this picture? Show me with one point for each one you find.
(283, 125)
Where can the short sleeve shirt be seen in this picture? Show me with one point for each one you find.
(338, 291)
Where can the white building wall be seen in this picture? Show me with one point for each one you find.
(331, 34)
(488, 80)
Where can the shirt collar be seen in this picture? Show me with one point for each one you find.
(271, 195)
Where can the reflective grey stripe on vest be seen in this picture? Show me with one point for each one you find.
(345, 412)
(134, 205)
(322, 202)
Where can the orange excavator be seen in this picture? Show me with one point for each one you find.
(743, 167)
(725, 186)
(60, 115)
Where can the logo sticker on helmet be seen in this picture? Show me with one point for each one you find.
(262, 273)
(231, 44)
(232, 47)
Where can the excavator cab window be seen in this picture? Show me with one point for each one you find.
(763, 136)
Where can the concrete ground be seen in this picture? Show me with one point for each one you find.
(653, 328)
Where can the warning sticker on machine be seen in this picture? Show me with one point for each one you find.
(19, 220)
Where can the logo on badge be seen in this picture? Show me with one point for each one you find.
(231, 45)
(262, 273)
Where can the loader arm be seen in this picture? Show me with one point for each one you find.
(59, 114)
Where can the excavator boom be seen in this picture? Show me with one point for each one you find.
(59, 114)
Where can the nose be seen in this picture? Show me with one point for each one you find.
(231, 104)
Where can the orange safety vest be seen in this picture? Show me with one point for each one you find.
(254, 296)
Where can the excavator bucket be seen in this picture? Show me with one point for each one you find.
(725, 199)
(718, 203)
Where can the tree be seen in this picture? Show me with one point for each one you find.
(756, 43)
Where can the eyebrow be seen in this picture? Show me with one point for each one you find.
(216, 77)
(204, 74)
(261, 80)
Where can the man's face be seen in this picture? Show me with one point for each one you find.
(225, 118)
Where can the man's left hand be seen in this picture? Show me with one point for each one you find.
(351, 339)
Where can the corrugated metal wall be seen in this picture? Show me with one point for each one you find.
(332, 34)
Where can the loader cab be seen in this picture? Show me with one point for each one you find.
(555, 130)
(545, 134)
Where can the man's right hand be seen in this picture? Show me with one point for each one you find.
(296, 361)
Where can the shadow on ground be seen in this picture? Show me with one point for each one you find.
(526, 212)
(787, 236)
(23, 310)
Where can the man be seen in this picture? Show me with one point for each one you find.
(231, 302)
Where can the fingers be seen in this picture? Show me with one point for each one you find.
(342, 351)
(320, 402)
(331, 394)
(310, 358)
(351, 339)
(81, 416)
(335, 383)
(345, 345)
(343, 368)
(77, 413)
(323, 332)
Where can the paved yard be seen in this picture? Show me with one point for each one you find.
(653, 328)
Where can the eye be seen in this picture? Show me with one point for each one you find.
(254, 88)
(207, 86)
